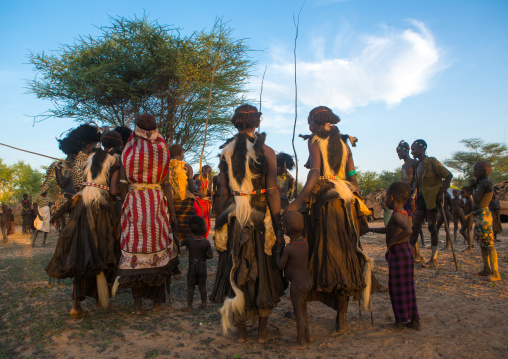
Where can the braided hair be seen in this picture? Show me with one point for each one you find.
(321, 115)
(246, 116)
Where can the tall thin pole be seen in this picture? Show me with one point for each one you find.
(207, 116)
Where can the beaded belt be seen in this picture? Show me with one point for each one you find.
(330, 177)
(93, 184)
(259, 191)
(143, 186)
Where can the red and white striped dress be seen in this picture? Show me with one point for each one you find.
(147, 239)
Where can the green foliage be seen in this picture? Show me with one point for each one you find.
(479, 150)
(139, 66)
(18, 179)
(370, 181)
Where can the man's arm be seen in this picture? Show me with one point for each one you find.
(209, 253)
(168, 193)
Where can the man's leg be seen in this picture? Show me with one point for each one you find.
(417, 226)
(434, 239)
(34, 237)
(494, 277)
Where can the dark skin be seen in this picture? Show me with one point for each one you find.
(407, 174)
(447, 206)
(419, 153)
(293, 260)
(206, 173)
(190, 174)
(199, 251)
(398, 230)
(312, 178)
(467, 220)
(273, 199)
(457, 212)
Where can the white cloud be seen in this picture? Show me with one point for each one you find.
(388, 68)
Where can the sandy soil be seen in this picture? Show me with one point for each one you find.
(463, 316)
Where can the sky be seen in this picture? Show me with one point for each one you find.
(392, 70)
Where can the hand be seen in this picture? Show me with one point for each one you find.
(439, 198)
(40, 217)
(281, 242)
(364, 230)
(413, 204)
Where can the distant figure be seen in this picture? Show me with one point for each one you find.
(285, 182)
(467, 223)
(447, 206)
(483, 232)
(401, 284)
(432, 181)
(41, 223)
(216, 195)
(199, 251)
(495, 209)
(203, 204)
(11, 221)
(26, 214)
(293, 261)
(5, 222)
(457, 212)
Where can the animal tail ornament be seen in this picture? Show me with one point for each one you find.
(235, 305)
(102, 290)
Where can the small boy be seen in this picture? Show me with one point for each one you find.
(5, 222)
(467, 221)
(482, 195)
(199, 251)
(293, 259)
(401, 284)
(457, 211)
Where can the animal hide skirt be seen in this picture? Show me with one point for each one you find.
(86, 246)
(257, 274)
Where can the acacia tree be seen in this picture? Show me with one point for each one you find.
(478, 150)
(139, 66)
(18, 179)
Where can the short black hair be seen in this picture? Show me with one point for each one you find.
(293, 222)
(197, 225)
(285, 158)
(111, 139)
(322, 115)
(175, 150)
(125, 132)
(146, 122)
(401, 191)
(467, 189)
(246, 116)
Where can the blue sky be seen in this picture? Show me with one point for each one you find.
(392, 70)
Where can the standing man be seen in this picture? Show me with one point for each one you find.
(408, 175)
(26, 213)
(432, 180)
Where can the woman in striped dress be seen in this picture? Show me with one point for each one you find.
(148, 256)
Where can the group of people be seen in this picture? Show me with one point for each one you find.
(132, 203)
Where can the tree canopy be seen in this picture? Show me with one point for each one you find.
(18, 179)
(370, 181)
(139, 66)
(479, 150)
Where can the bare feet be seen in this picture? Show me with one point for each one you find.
(339, 331)
(485, 272)
(494, 277)
(202, 306)
(77, 313)
(242, 333)
(430, 264)
(415, 324)
(298, 346)
(157, 307)
(187, 309)
(381, 288)
(468, 250)
(262, 331)
(419, 259)
(137, 306)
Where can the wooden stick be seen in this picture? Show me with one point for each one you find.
(34, 153)
(296, 23)
(207, 115)
(260, 95)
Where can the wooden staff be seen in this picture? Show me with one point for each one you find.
(448, 237)
(260, 95)
(207, 115)
(33, 153)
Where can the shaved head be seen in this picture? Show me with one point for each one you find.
(293, 223)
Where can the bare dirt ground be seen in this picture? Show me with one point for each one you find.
(463, 316)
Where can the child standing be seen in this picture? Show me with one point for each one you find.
(199, 251)
(5, 222)
(483, 233)
(293, 259)
(457, 211)
(401, 284)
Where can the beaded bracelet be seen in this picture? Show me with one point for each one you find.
(350, 173)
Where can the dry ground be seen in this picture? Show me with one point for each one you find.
(463, 316)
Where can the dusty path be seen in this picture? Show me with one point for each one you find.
(463, 316)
